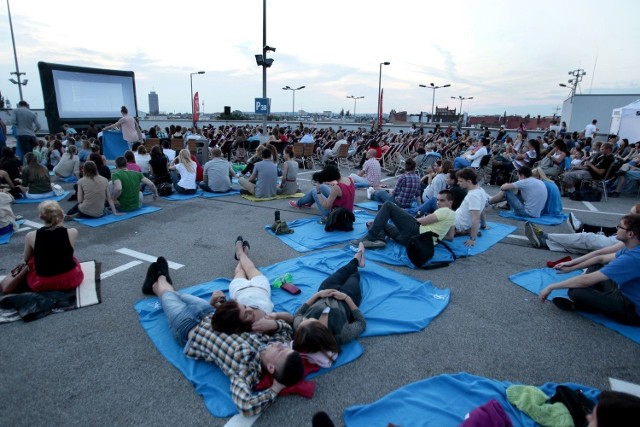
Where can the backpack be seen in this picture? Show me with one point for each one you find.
(420, 250)
(576, 402)
(281, 227)
(340, 219)
(165, 189)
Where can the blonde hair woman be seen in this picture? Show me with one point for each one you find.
(183, 173)
(48, 252)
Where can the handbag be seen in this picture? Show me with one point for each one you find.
(281, 227)
(420, 249)
(340, 219)
(16, 278)
(57, 189)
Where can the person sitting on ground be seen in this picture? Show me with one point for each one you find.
(615, 409)
(585, 238)
(612, 289)
(217, 173)
(430, 205)
(159, 167)
(183, 173)
(8, 222)
(142, 159)
(332, 317)
(370, 174)
(168, 151)
(596, 169)
(242, 357)
(470, 214)
(11, 164)
(526, 197)
(474, 157)
(69, 164)
(55, 154)
(36, 182)
(85, 152)
(125, 187)
(250, 307)
(289, 183)
(406, 191)
(329, 190)
(48, 252)
(251, 163)
(131, 162)
(263, 182)
(394, 222)
(93, 193)
(436, 179)
(103, 169)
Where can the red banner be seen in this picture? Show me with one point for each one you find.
(381, 110)
(196, 108)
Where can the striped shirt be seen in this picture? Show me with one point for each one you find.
(238, 356)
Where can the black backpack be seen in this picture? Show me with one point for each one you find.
(420, 250)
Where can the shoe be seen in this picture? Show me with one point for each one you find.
(564, 304)
(360, 252)
(150, 279)
(552, 264)
(533, 233)
(235, 247)
(373, 244)
(245, 244)
(370, 192)
(574, 222)
(294, 204)
(163, 268)
(73, 197)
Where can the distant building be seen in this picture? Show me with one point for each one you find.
(154, 107)
(579, 110)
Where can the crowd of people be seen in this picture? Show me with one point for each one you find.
(244, 336)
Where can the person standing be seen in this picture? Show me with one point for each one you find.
(131, 131)
(591, 129)
(26, 122)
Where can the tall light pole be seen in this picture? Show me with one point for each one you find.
(17, 73)
(433, 98)
(379, 113)
(193, 118)
(461, 98)
(293, 108)
(575, 81)
(355, 103)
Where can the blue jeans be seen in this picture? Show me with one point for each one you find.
(460, 162)
(428, 207)
(183, 312)
(381, 196)
(312, 197)
(516, 203)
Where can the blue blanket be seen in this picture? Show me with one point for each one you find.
(370, 205)
(392, 303)
(110, 219)
(113, 145)
(6, 237)
(71, 178)
(535, 280)
(179, 196)
(444, 400)
(208, 195)
(308, 235)
(24, 200)
(546, 219)
(552, 211)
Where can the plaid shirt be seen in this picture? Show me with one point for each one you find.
(407, 189)
(373, 172)
(238, 356)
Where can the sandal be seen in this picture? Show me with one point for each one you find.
(235, 246)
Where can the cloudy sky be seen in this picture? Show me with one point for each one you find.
(508, 55)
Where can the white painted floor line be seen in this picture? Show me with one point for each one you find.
(32, 224)
(241, 421)
(590, 206)
(515, 236)
(603, 213)
(23, 229)
(146, 257)
(119, 269)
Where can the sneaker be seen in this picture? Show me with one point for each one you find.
(150, 279)
(370, 192)
(564, 304)
(574, 222)
(533, 233)
(163, 268)
(374, 244)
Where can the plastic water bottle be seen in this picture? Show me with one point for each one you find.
(286, 278)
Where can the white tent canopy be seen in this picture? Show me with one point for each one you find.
(625, 122)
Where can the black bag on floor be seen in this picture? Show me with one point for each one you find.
(420, 250)
(587, 195)
(576, 402)
(340, 219)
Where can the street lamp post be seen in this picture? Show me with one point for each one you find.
(355, 103)
(379, 113)
(193, 118)
(461, 98)
(15, 58)
(433, 98)
(293, 108)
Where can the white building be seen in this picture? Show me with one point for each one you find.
(579, 110)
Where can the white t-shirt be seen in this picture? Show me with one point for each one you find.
(534, 195)
(187, 179)
(438, 183)
(253, 293)
(589, 130)
(475, 200)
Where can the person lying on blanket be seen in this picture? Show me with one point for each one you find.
(331, 316)
(612, 289)
(250, 307)
(396, 223)
(242, 357)
(586, 237)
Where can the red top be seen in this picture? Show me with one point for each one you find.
(348, 196)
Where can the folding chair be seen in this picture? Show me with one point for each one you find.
(604, 182)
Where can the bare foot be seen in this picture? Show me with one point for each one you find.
(360, 255)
